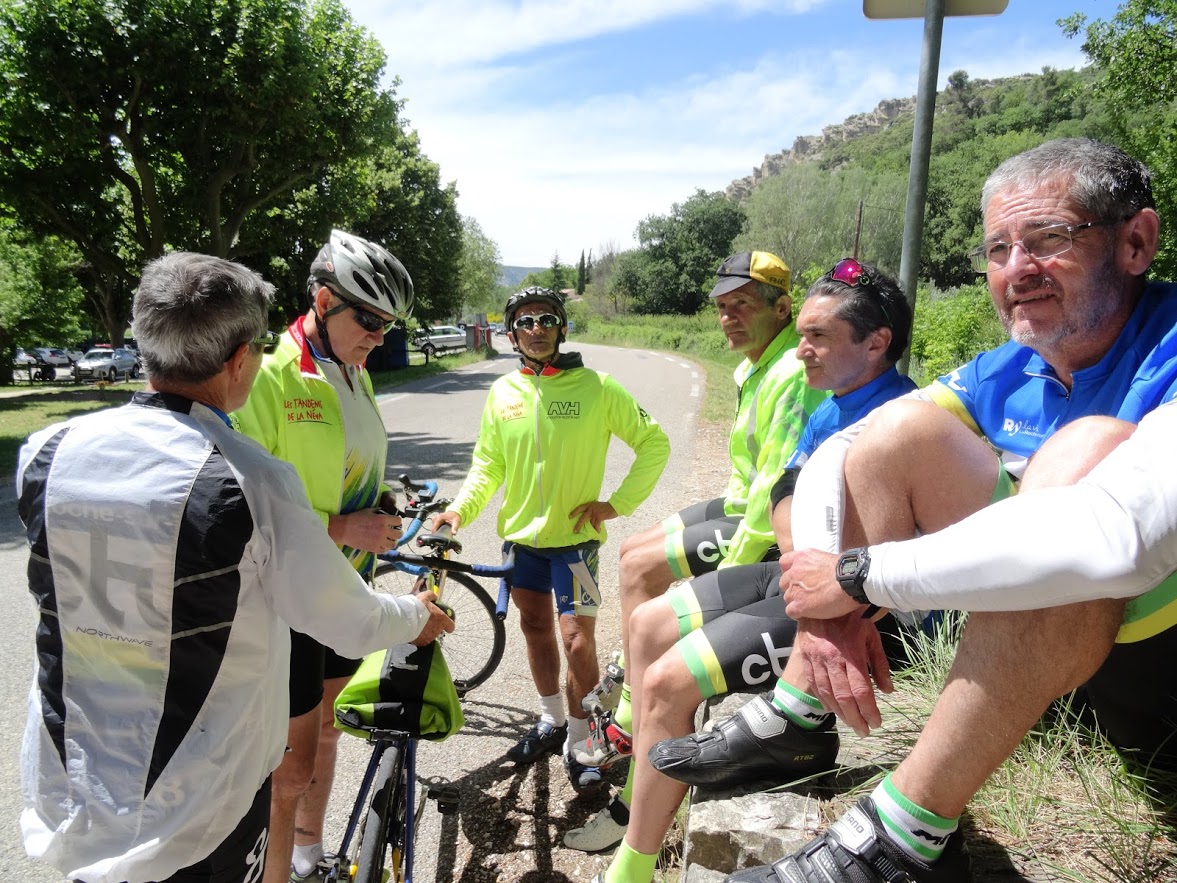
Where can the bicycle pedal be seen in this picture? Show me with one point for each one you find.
(447, 796)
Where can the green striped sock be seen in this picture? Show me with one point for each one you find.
(804, 710)
(918, 832)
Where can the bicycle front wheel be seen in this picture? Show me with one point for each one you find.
(382, 838)
(475, 648)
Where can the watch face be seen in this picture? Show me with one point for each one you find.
(847, 566)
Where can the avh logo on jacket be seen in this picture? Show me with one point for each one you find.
(564, 409)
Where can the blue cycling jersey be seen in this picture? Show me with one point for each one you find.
(1011, 397)
(838, 412)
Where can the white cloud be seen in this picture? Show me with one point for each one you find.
(581, 167)
(448, 33)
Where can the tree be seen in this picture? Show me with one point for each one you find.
(479, 269)
(680, 252)
(558, 282)
(806, 215)
(129, 128)
(581, 275)
(1136, 53)
(40, 299)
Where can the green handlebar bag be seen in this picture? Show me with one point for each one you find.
(404, 688)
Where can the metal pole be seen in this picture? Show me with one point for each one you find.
(921, 149)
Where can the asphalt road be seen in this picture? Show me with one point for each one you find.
(431, 425)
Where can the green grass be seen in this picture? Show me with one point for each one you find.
(697, 338)
(26, 409)
(1062, 807)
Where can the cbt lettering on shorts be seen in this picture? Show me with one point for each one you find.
(711, 552)
(757, 669)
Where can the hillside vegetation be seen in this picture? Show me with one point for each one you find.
(843, 192)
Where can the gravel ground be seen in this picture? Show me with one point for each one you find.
(523, 813)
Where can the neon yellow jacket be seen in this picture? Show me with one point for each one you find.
(293, 412)
(774, 406)
(544, 439)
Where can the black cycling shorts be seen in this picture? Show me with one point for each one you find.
(1134, 697)
(310, 664)
(241, 857)
(735, 633)
(697, 538)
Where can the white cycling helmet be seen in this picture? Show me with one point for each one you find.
(363, 272)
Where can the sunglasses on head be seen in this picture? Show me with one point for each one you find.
(850, 272)
(545, 320)
(366, 319)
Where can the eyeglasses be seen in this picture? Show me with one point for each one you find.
(1045, 242)
(545, 320)
(366, 319)
(268, 342)
(850, 272)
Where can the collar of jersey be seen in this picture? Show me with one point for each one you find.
(562, 362)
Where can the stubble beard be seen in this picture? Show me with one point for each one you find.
(1078, 319)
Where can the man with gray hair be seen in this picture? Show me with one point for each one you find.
(169, 557)
(1069, 234)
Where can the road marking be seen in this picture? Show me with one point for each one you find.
(694, 390)
(385, 399)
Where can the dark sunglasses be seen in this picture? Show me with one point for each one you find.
(366, 319)
(546, 320)
(850, 272)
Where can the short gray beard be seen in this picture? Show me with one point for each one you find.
(1095, 313)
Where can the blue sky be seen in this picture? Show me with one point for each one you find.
(566, 122)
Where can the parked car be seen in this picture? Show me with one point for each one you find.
(499, 328)
(51, 355)
(74, 355)
(106, 364)
(441, 337)
(23, 359)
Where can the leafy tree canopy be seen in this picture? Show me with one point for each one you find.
(129, 128)
(1136, 55)
(675, 266)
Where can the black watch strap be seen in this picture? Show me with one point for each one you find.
(853, 565)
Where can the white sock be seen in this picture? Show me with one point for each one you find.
(578, 731)
(305, 858)
(551, 709)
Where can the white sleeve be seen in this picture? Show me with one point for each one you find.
(819, 499)
(1112, 535)
(313, 587)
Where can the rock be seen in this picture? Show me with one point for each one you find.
(740, 830)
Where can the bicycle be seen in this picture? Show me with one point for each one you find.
(386, 825)
(475, 649)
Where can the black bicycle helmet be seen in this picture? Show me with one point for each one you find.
(363, 272)
(535, 295)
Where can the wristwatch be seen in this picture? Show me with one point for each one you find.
(852, 567)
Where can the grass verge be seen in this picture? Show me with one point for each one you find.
(1062, 807)
(47, 403)
(697, 338)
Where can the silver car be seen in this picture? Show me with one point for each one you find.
(104, 363)
(440, 337)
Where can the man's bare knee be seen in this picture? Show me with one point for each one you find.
(653, 626)
(669, 689)
(1074, 451)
